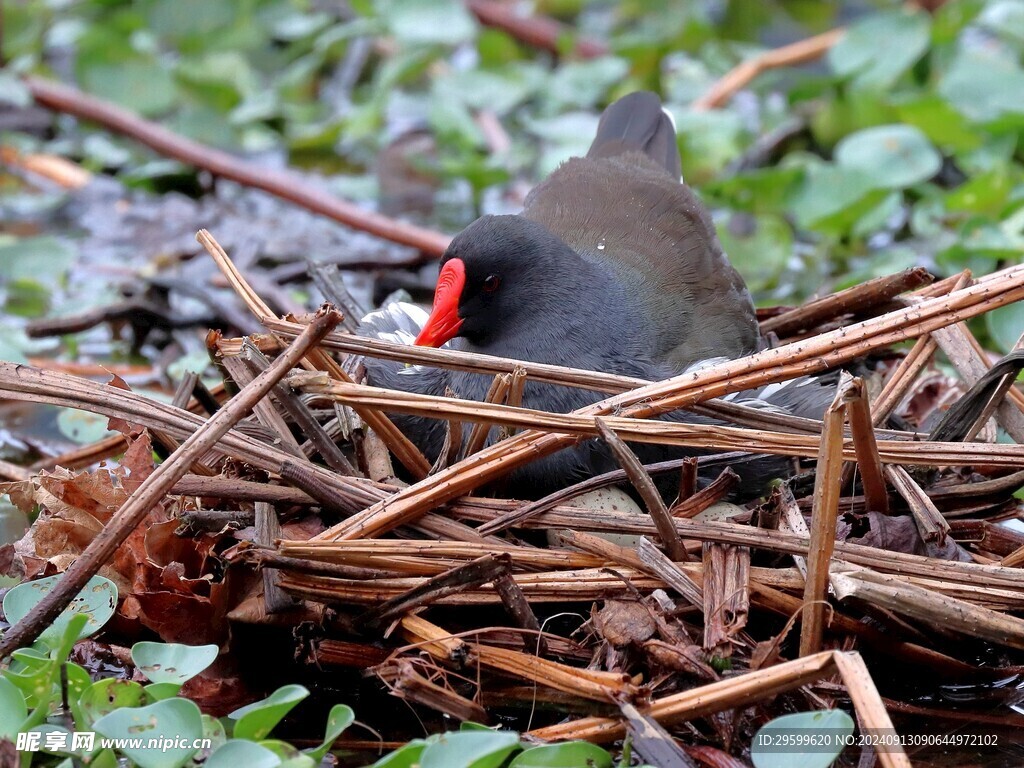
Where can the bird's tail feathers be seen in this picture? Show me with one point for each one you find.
(638, 123)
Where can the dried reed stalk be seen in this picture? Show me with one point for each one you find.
(572, 426)
(734, 693)
(586, 683)
(930, 523)
(870, 708)
(648, 492)
(857, 298)
(823, 524)
(895, 594)
(543, 587)
(726, 595)
(862, 430)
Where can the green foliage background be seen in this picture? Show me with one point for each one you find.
(900, 147)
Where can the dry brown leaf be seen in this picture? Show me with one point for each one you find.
(624, 622)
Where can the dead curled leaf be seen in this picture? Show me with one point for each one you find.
(624, 622)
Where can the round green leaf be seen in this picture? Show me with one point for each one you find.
(172, 662)
(892, 156)
(1006, 324)
(97, 602)
(108, 694)
(880, 47)
(255, 721)
(563, 756)
(171, 720)
(470, 749)
(241, 752)
(832, 197)
(836, 723)
(82, 427)
(13, 709)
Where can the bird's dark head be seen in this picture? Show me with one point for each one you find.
(497, 276)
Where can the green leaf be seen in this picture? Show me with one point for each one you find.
(710, 140)
(880, 47)
(235, 752)
(892, 156)
(107, 67)
(255, 721)
(108, 694)
(758, 246)
(220, 78)
(43, 259)
(983, 86)
(288, 754)
(831, 196)
(574, 753)
(470, 749)
(583, 83)
(1006, 324)
(97, 601)
(403, 757)
(213, 729)
(27, 298)
(499, 91)
(764, 190)
(13, 709)
(161, 691)
(439, 22)
(172, 662)
(939, 121)
(82, 427)
(172, 720)
(32, 672)
(834, 722)
(340, 717)
(985, 193)
(1005, 18)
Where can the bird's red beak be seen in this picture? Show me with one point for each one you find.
(444, 321)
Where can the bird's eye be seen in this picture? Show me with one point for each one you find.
(491, 283)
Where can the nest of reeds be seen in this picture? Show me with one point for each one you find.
(887, 541)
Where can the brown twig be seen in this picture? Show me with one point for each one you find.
(858, 413)
(284, 184)
(744, 73)
(930, 523)
(823, 525)
(538, 31)
(648, 492)
(856, 299)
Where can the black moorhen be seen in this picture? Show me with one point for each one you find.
(612, 266)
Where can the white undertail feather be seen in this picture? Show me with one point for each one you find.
(399, 322)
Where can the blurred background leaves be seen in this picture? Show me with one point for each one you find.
(900, 146)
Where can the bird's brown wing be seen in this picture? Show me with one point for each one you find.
(628, 214)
